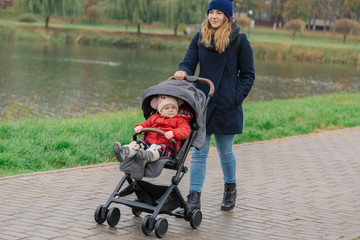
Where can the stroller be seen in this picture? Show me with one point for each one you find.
(160, 199)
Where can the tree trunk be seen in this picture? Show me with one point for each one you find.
(47, 21)
(324, 29)
(314, 23)
(175, 29)
(275, 23)
(138, 28)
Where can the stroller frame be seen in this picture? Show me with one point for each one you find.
(166, 198)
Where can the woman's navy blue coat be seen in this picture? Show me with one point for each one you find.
(224, 114)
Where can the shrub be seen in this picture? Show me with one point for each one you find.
(346, 27)
(27, 18)
(244, 22)
(295, 25)
(93, 13)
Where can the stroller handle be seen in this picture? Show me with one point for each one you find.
(160, 132)
(195, 79)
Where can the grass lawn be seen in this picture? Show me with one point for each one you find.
(41, 144)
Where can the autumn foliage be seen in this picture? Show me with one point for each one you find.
(295, 25)
(346, 26)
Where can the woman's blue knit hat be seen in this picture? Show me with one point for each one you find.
(225, 6)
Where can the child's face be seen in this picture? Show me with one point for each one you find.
(169, 110)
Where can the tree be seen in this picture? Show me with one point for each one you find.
(139, 12)
(331, 10)
(164, 11)
(132, 11)
(294, 9)
(277, 9)
(173, 13)
(246, 5)
(351, 9)
(93, 13)
(46, 7)
(116, 9)
(295, 25)
(346, 27)
(71, 8)
(315, 8)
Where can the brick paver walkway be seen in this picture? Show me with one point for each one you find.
(305, 187)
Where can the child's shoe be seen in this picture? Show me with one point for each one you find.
(121, 153)
(142, 157)
(138, 168)
(153, 152)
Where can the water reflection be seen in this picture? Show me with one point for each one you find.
(90, 77)
(282, 80)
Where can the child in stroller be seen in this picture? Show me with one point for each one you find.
(170, 119)
(161, 199)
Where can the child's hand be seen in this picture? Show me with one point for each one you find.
(169, 134)
(138, 129)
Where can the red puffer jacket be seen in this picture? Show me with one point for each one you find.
(179, 125)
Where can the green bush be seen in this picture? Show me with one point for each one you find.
(27, 18)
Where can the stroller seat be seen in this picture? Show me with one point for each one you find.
(154, 169)
(151, 169)
(161, 199)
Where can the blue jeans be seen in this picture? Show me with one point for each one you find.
(224, 145)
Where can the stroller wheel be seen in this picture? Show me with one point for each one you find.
(146, 227)
(136, 213)
(113, 217)
(195, 218)
(98, 215)
(161, 227)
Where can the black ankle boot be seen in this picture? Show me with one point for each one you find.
(229, 197)
(193, 200)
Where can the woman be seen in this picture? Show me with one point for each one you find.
(226, 58)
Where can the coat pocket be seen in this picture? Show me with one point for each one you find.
(239, 95)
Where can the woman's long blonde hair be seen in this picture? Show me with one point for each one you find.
(221, 35)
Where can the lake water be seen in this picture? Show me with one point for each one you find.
(71, 78)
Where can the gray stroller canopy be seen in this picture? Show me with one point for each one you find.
(186, 91)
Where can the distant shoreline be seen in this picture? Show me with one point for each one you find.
(267, 44)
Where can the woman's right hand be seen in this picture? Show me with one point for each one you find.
(180, 75)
